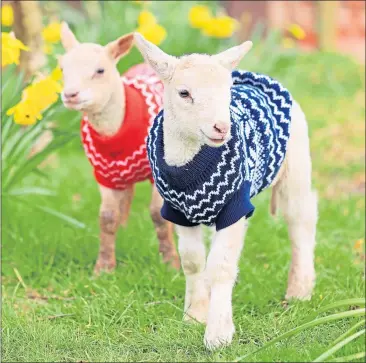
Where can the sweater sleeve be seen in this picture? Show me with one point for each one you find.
(238, 207)
(175, 216)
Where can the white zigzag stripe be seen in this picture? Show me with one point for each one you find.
(275, 108)
(271, 166)
(124, 172)
(277, 149)
(275, 111)
(143, 171)
(279, 97)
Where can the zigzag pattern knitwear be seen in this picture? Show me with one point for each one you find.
(121, 159)
(216, 187)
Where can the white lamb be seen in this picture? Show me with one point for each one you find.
(117, 113)
(205, 118)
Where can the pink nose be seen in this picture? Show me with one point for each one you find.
(71, 95)
(221, 127)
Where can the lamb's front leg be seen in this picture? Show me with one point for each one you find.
(193, 257)
(109, 219)
(222, 269)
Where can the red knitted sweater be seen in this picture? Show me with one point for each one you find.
(121, 159)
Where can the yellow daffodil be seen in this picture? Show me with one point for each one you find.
(52, 32)
(288, 43)
(297, 31)
(36, 98)
(199, 16)
(154, 33)
(25, 113)
(44, 92)
(10, 49)
(56, 74)
(221, 27)
(146, 18)
(7, 15)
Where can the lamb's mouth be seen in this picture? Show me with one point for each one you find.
(74, 105)
(218, 141)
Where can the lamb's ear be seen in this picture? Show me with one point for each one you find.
(120, 47)
(231, 58)
(162, 63)
(68, 38)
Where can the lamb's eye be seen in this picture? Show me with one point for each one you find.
(100, 71)
(184, 93)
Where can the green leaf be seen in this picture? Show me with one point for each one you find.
(31, 190)
(338, 346)
(337, 304)
(349, 358)
(349, 331)
(62, 216)
(292, 332)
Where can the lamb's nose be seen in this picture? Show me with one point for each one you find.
(71, 95)
(221, 127)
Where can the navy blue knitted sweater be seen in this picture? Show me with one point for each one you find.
(216, 187)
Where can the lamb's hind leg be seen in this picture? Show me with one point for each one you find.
(125, 204)
(109, 219)
(164, 231)
(298, 202)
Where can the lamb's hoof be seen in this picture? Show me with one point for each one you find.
(219, 335)
(300, 289)
(104, 266)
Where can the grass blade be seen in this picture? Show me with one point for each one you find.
(349, 358)
(347, 302)
(349, 331)
(62, 216)
(338, 346)
(31, 190)
(323, 320)
(52, 212)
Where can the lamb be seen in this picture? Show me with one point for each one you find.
(116, 116)
(221, 138)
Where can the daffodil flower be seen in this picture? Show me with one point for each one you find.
(52, 32)
(199, 16)
(10, 49)
(7, 15)
(36, 98)
(220, 27)
(154, 33)
(146, 18)
(297, 31)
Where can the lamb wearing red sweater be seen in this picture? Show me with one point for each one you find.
(117, 113)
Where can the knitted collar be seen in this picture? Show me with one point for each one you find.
(201, 166)
(135, 110)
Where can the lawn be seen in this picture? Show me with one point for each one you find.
(54, 309)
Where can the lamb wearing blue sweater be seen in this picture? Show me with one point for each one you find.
(223, 136)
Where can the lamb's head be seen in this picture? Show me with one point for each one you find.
(196, 90)
(89, 70)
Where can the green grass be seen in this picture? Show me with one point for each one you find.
(53, 309)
